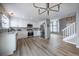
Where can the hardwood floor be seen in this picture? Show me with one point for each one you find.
(35, 46)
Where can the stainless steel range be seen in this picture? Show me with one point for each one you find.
(30, 30)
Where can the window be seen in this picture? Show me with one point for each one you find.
(54, 26)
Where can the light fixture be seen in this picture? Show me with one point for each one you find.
(12, 13)
(48, 8)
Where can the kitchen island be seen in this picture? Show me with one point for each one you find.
(7, 43)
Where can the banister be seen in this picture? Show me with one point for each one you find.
(69, 26)
(69, 33)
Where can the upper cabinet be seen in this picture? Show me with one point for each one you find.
(4, 22)
(4, 19)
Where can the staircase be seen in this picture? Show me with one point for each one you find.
(69, 33)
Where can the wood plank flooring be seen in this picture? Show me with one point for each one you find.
(35, 46)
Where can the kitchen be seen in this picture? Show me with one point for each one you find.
(11, 30)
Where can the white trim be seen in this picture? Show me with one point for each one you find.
(77, 46)
(69, 42)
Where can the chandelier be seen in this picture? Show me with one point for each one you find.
(48, 8)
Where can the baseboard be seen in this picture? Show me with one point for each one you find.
(69, 42)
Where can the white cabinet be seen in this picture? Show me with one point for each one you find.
(4, 22)
(7, 43)
(37, 33)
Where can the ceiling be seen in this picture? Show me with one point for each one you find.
(28, 12)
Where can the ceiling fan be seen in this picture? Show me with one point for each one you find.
(48, 8)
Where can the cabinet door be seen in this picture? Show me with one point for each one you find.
(5, 22)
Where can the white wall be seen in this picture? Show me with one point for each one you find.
(77, 28)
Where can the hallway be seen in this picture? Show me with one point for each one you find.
(35, 46)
